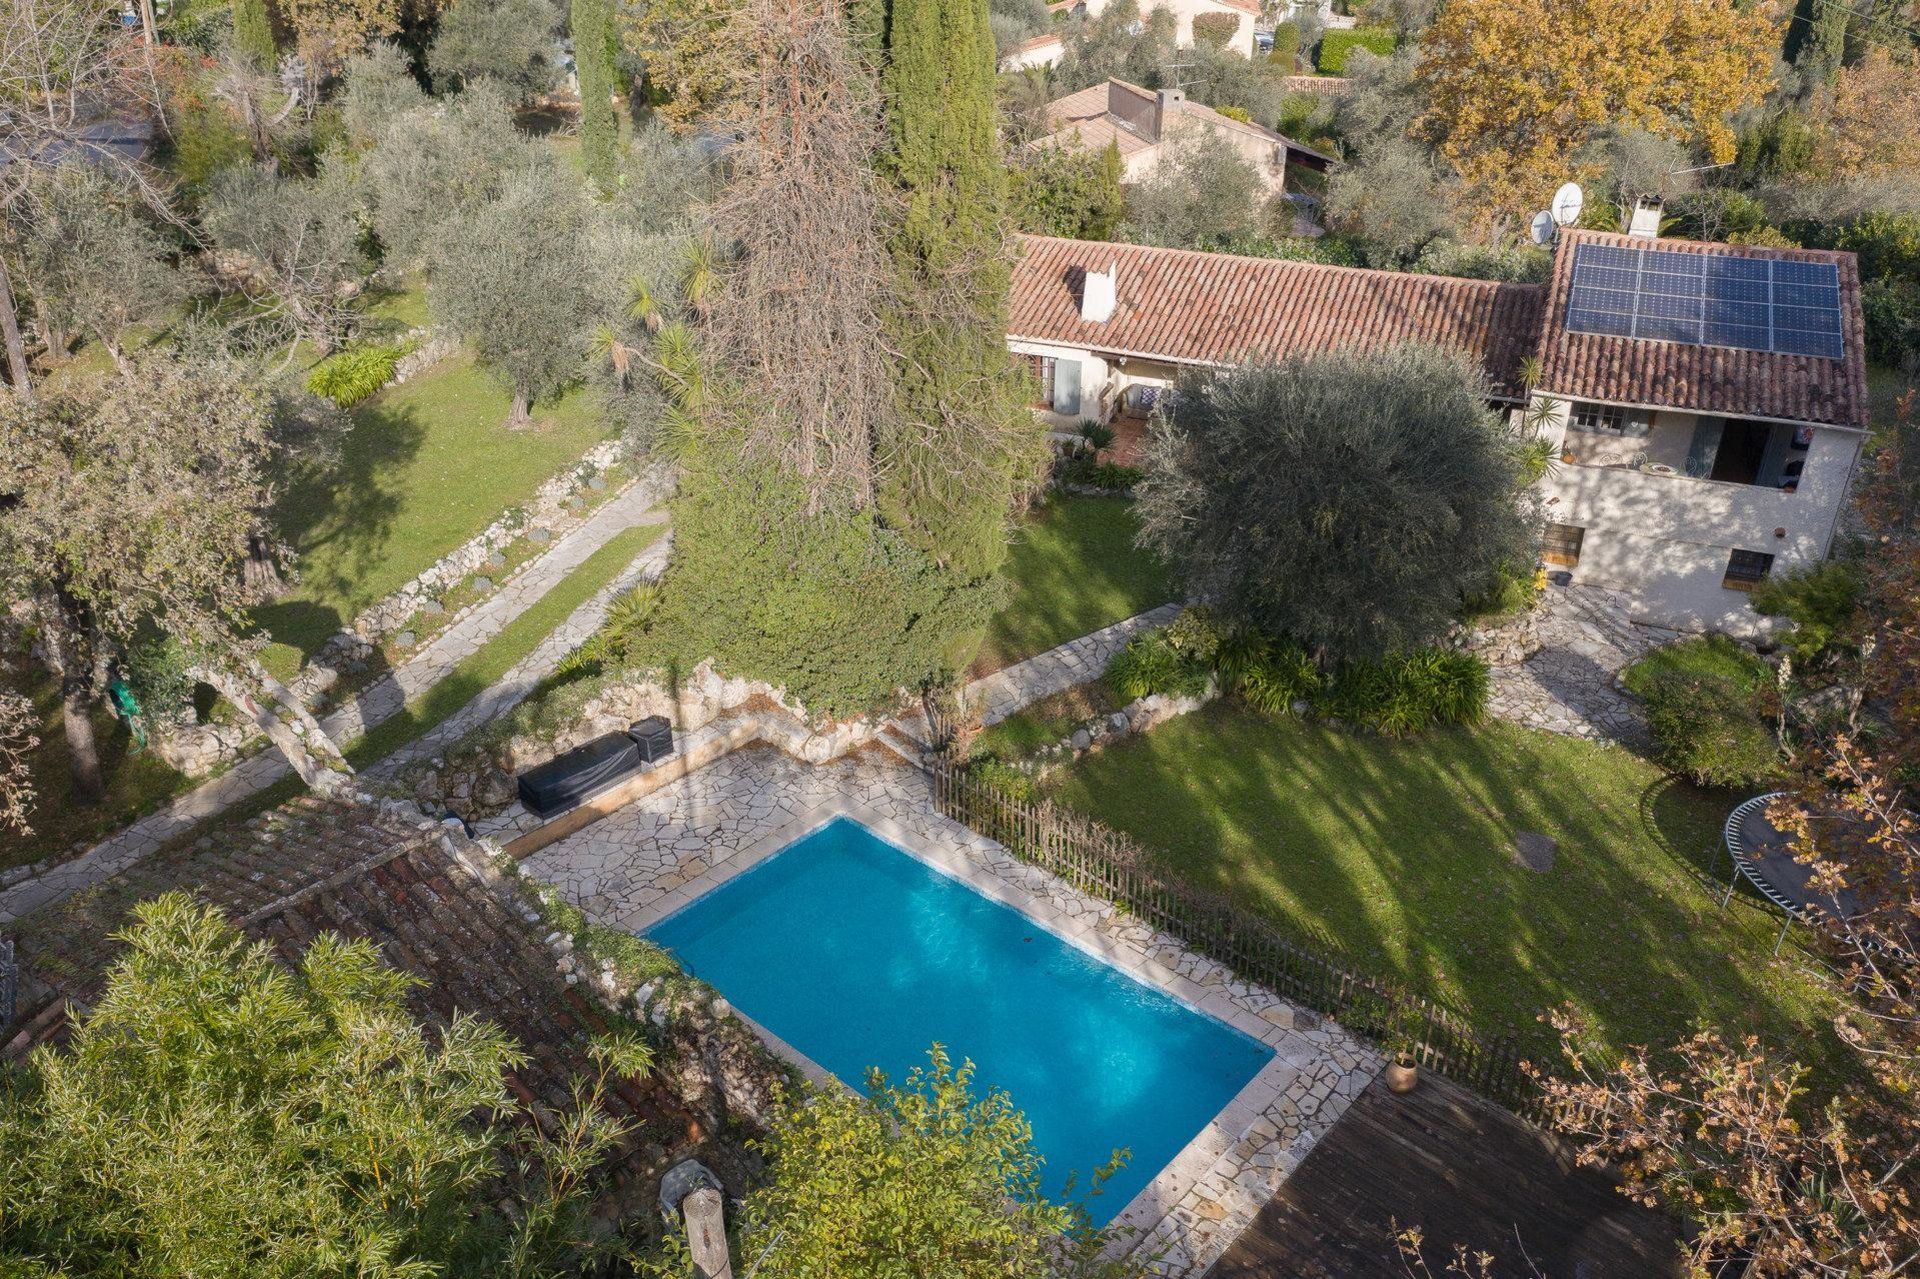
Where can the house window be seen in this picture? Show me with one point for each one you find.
(1746, 570)
(1561, 545)
(1609, 419)
(1041, 366)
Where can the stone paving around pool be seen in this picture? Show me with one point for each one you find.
(644, 861)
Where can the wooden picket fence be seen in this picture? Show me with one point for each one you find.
(1104, 863)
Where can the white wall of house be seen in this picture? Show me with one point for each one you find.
(1184, 12)
(1667, 538)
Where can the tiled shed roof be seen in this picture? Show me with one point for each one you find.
(1707, 379)
(1216, 308)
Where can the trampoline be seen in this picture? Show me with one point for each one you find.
(1763, 853)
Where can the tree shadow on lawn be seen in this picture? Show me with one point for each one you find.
(1436, 898)
(344, 516)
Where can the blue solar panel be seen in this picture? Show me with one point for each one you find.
(1752, 304)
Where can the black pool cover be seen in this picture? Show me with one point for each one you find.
(569, 780)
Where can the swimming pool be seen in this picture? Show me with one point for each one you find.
(858, 955)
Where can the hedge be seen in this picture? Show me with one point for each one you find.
(1286, 48)
(1337, 46)
(1215, 29)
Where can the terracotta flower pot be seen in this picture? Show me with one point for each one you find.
(1402, 1076)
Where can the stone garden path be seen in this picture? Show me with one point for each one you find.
(1012, 689)
(28, 888)
(1567, 686)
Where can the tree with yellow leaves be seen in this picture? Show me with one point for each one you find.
(1868, 119)
(1517, 87)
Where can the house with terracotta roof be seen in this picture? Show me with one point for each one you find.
(1140, 123)
(1706, 402)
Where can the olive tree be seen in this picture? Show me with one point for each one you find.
(1200, 192)
(296, 242)
(508, 278)
(133, 503)
(431, 163)
(508, 42)
(94, 258)
(1351, 501)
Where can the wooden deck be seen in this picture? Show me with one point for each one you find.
(1466, 1172)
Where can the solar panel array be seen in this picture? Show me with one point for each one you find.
(1754, 304)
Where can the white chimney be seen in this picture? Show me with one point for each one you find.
(1100, 294)
(1645, 224)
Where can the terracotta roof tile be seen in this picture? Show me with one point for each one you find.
(1217, 308)
(1707, 379)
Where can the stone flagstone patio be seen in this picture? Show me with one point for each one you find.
(634, 866)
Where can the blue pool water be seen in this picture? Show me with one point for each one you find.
(860, 955)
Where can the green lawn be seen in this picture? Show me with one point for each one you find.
(1073, 570)
(1402, 853)
(427, 465)
(504, 651)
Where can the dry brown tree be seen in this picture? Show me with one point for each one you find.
(798, 317)
(16, 740)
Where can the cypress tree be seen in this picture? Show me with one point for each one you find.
(594, 50)
(253, 33)
(967, 439)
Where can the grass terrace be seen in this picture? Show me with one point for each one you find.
(1073, 569)
(427, 465)
(1403, 853)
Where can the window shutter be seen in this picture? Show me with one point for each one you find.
(1066, 387)
(1773, 461)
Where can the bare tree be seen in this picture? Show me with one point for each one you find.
(799, 309)
(16, 783)
(68, 71)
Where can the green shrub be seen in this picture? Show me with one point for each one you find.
(156, 671)
(1004, 779)
(350, 376)
(1151, 664)
(1823, 603)
(1337, 46)
(206, 140)
(1891, 309)
(841, 611)
(1707, 727)
(1267, 674)
(1286, 48)
(1215, 29)
(1513, 591)
(1408, 693)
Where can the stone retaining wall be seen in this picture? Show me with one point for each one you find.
(479, 779)
(555, 509)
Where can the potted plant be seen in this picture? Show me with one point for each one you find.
(1400, 1037)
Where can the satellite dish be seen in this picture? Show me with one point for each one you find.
(1541, 232)
(1567, 203)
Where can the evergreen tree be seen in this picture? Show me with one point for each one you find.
(594, 43)
(253, 33)
(950, 469)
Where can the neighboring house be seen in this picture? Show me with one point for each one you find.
(1140, 122)
(1690, 467)
(1047, 50)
